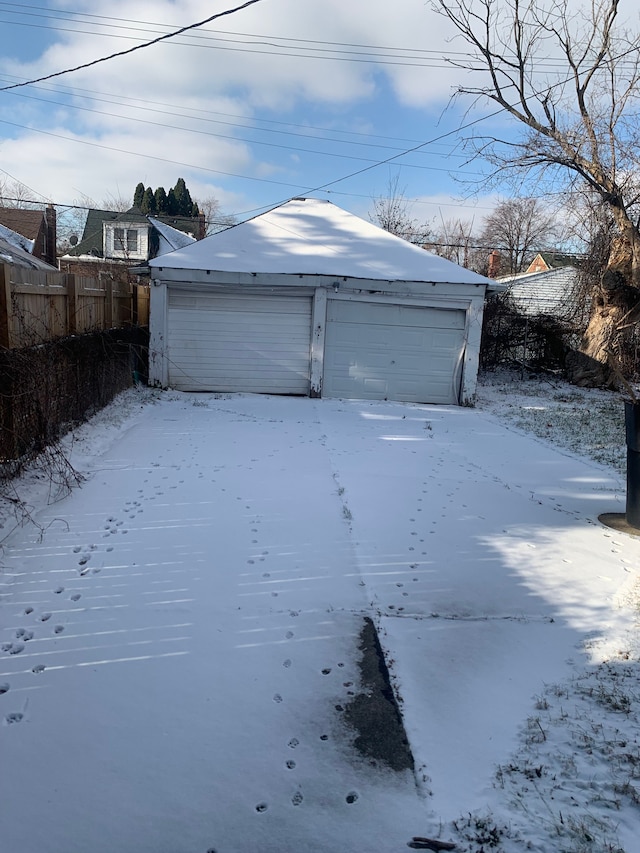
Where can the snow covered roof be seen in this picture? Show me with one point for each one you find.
(315, 237)
(18, 241)
(174, 238)
(12, 253)
(547, 292)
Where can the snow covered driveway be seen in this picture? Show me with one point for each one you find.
(180, 635)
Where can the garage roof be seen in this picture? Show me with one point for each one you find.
(315, 237)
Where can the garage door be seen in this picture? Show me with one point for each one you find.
(375, 351)
(220, 342)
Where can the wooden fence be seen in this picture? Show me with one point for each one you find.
(38, 306)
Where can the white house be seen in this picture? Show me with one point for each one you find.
(309, 299)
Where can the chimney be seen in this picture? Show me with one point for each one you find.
(494, 264)
(51, 235)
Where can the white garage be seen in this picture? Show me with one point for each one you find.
(309, 299)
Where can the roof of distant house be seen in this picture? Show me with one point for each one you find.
(556, 260)
(16, 240)
(93, 235)
(24, 222)
(12, 253)
(547, 292)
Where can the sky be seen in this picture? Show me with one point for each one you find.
(277, 100)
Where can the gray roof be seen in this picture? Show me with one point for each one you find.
(11, 253)
(547, 292)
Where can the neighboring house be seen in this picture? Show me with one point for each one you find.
(549, 292)
(36, 228)
(545, 261)
(114, 242)
(309, 299)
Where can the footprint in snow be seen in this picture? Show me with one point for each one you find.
(28, 611)
(4, 688)
(23, 634)
(44, 617)
(13, 648)
(38, 668)
(261, 807)
(297, 799)
(15, 717)
(58, 629)
(277, 698)
(352, 797)
(75, 597)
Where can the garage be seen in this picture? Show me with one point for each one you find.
(239, 342)
(309, 299)
(375, 351)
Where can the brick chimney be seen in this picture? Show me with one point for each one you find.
(494, 264)
(51, 235)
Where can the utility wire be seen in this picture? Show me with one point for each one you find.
(133, 49)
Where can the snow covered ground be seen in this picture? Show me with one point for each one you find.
(180, 633)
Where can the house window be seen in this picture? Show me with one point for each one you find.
(125, 240)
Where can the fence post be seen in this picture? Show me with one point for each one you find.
(72, 303)
(108, 306)
(6, 311)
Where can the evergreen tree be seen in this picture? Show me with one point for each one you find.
(148, 204)
(162, 202)
(183, 198)
(138, 194)
(172, 203)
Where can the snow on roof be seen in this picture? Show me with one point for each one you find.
(175, 238)
(16, 240)
(547, 292)
(11, 253)
(315, 237)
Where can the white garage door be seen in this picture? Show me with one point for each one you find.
(375, 351)
(220, 342)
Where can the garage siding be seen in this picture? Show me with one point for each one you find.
(378, 351)
(247, 343)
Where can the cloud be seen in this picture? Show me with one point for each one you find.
(184, 100)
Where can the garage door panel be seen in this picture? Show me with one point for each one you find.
(220, 342)
(381, 351)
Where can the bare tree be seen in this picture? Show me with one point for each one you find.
(571, 79)
(392, 212)
(15, 194)
(518, 228)
(455, 241)
(215, 220)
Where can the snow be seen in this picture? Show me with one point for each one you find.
(171, 237)
(313, 237)
(17, 241)
(180, 633)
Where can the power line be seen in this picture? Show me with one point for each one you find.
(237, 138)
(183, 112)
(133, 49)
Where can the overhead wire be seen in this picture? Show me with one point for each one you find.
(130, 50)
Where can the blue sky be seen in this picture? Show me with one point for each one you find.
(271, 102)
